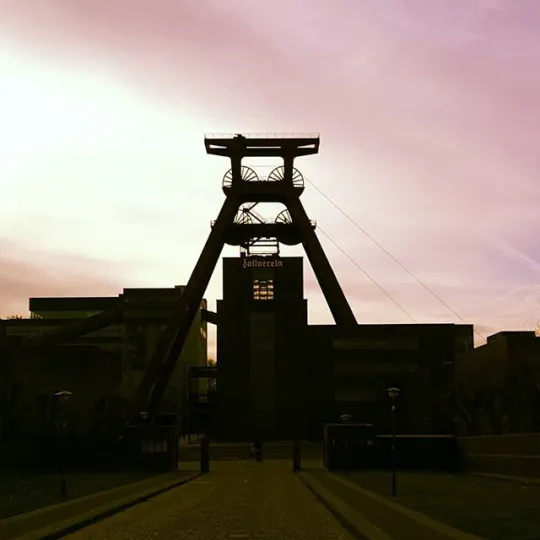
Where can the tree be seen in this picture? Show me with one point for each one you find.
(11, 317)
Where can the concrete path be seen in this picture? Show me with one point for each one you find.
(235, 500)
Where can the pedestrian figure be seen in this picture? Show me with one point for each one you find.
(257, 447)
(252, 452)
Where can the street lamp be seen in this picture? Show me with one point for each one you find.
(64, 396)
(346, 418)
(393, 393)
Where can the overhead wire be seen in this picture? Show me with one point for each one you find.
(366, 274)
(399, 263)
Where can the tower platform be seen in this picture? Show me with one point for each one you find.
(286, 233)
(262, 144)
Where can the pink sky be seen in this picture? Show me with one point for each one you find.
(429, 114)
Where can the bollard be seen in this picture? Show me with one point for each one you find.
(205, 454)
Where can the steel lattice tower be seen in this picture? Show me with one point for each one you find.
(234, 226)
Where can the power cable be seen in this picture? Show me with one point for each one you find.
(399, 263)
(367, 275)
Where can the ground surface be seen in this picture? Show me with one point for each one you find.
(494, 509)
(22, 492)
(238, 499)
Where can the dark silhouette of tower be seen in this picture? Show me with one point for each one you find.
(244, 189)
(346, 362)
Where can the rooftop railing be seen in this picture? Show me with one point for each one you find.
(262, 135)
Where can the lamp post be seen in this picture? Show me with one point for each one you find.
(205, 454)
(64, 396)
(144, 444)
(346, 418)
(393, 393)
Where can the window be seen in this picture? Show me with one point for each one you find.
(263, 289)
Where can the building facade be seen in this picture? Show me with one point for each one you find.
(108, 363)
(498, 385)
(279, 377)
(260, 318)
(350, 373)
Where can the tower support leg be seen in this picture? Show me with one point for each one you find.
(333, 293)
(162, 365)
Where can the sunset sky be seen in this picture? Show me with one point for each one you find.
(429, 115)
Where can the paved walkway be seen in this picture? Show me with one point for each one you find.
(236, 500)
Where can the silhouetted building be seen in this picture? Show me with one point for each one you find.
(498, 385)
(351, 371)
(280, 377)
(260, 320)
(105, 363)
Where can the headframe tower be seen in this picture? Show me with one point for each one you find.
(234, 225)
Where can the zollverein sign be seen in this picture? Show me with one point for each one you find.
(261, 263)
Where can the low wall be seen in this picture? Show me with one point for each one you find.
(511, 455)
(413, 452)
(421, 452)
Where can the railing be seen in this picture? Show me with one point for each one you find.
(262, 135)
(268, 179)
(267, 221)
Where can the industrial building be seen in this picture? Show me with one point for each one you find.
(498, 385)
(277, 376)
(260, 320)
(98, 366)
(351, 371)
(280, 377)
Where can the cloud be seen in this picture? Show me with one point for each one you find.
(26, 274)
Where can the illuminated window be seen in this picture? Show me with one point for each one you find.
(263, 289)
